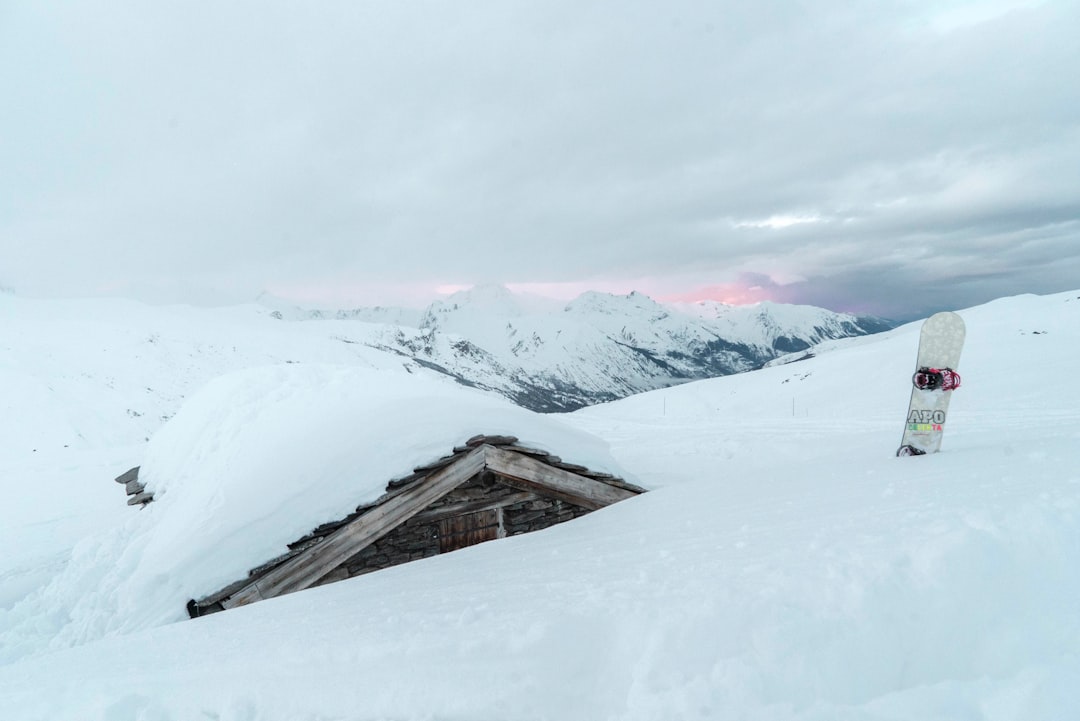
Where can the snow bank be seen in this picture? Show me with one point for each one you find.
(257, 459)
(834, 594)
(260, 457)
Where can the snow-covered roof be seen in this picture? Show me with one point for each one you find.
(260, 457)
(499, 464)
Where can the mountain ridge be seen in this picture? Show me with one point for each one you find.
(597, 347)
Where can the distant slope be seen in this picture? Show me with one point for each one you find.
(113, 371)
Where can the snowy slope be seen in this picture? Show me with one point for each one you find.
(253, 461)
(100, 377)
(86, 383)
(778, 326)
(112, 371)
(786, 566)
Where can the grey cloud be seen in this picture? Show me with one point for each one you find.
(217, 149)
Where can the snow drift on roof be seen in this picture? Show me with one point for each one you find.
(260, 457)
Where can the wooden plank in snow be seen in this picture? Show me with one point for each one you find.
(529, 474)
(140, 499)
(129, 475)
(463, 531)
(306, 568)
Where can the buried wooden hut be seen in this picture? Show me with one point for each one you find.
(488, 488)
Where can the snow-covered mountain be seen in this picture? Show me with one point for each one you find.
(784, 566)
(554, 357)
(139, 362)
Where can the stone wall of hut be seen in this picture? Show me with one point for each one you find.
(538, 514)
(418, 537)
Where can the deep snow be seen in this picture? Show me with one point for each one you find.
(253, 461)
(785, 566)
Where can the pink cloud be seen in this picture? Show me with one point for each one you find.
(730, 293)
(749, 288)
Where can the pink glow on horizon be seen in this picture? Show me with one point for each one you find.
(451, 288)
(745, 291)
(730, 293)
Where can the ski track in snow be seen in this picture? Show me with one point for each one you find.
(786, 566)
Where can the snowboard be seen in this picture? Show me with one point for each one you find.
(940, 343)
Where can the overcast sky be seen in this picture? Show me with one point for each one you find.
(894, 157)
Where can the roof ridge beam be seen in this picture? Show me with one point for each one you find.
(528, 474)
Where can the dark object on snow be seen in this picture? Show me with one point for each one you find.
(139, 496)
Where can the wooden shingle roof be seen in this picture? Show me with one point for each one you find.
(516, 472)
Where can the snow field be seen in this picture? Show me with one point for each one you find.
(787, 566)
(775, 604)
(253, 461)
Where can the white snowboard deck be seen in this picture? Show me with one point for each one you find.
(940, 344)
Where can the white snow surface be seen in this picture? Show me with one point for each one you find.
(785, 566)
(257, 459)
(760, 323)
(260, 457)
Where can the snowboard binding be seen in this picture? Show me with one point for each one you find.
(910, 451)
(932, 379)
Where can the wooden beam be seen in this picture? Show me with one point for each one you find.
(305, 569)
(216, 597)
(129, 475)
(529, 474)
(482, 504)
